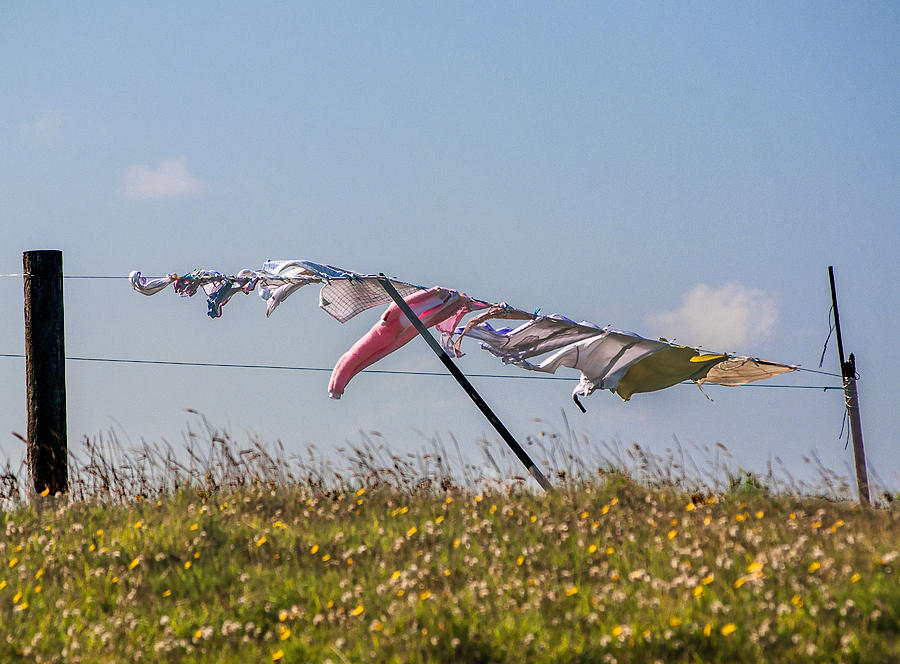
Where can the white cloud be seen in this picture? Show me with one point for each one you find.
(46, 128)
(722, 319)
(170, 179)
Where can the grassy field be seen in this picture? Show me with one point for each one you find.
(269, 567)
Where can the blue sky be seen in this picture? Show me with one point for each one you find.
(676, 169)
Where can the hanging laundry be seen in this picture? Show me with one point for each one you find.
(395, 330)
(541, 335)
(744, 370)
(668, 367)
(603, 359)
(147, 286)
(496, 311)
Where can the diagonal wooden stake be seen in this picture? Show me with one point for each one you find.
(465, 384)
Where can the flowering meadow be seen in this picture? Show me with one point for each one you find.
(604, 569)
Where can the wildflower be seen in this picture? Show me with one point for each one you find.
(396, 574)
(455, 542)
(194, 526)
(262, 540)
(425, 595)
(707, 520)
(672, 533)
(187, 564)
(592, 548)
(689, 507)
(614, 501)
(115, 579)
(674, 621)
(2, 584)
(284, 632)
(617, 630)
(493, 509)
(706, 580)
(813, 566)
(797, 601)
(134, 563)
(196, 555)
(283, 615)
(533, 518)
(360, 492)
(45, 492)
(760, 514)
(730, 628)
(314, 549)
(359, 609)
(856, 577)
(604, 509)
(39, 574)
(571, 591)
(17, 597)
(198, 634)
(707, 629)
(610, 551)
(326, 558)
(13, 562)
(440, 519)
(448, 500)
(583, 516)
(698, 592)
(754, 567)
(167, 593)
(138, 524)
(38, 588)
(739, 582)
(277, 655)
(478, 499)
(412, 531)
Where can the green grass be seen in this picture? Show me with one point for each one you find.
(604, 570)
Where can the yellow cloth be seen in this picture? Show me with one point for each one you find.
(666, 368)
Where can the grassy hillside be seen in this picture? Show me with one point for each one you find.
(605, 570)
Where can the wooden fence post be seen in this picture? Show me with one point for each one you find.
(45, 371)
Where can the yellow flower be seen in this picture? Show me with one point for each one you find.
(689, 507)
(610, 551)
(115, 579)
(167, 593)
(277, 655)
(187, 564)
(604, 509)
(730, 628)
(412, 531)
(583, 515)
(38, 589)
(196, 555)
(614, 501)
(797, 601)
(99, 532)
(520, 560)
(813, 566)
(440, 519)
(359, 609)
(707, 629)
(455, 542)
(493, 509)
(283, 615)
(360, 492)
(533, 518)
(2, 584)
(706, 580)
(672, 533)
(134, 563)
(39, 574)
(262, 540)
(617, 630)
(396, 574)
(314, 549)
(425, 595)
(674, 621)
(45, 492)
(592, 548)
(448, 500)
(349, 561)
(138, 524)
(754, 567)
(195, 526)
(571, 591)
(856, 577)
(760, 514)
(326, 557)
(91, 547)
(198, 634)
(17, 597)
(13, 562)
(698, 592)
(478, 499)
(284, 632)
(739, 582)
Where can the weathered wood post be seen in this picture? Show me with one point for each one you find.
(851, 399)
(45, 371)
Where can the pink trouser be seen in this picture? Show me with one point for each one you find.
(394, 330)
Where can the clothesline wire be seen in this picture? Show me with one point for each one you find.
(94, 276)
(372, 371)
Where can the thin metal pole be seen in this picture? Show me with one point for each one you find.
(851, 398)
(45, 371)
(465, 384)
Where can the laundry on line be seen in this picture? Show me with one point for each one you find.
(622, 362)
